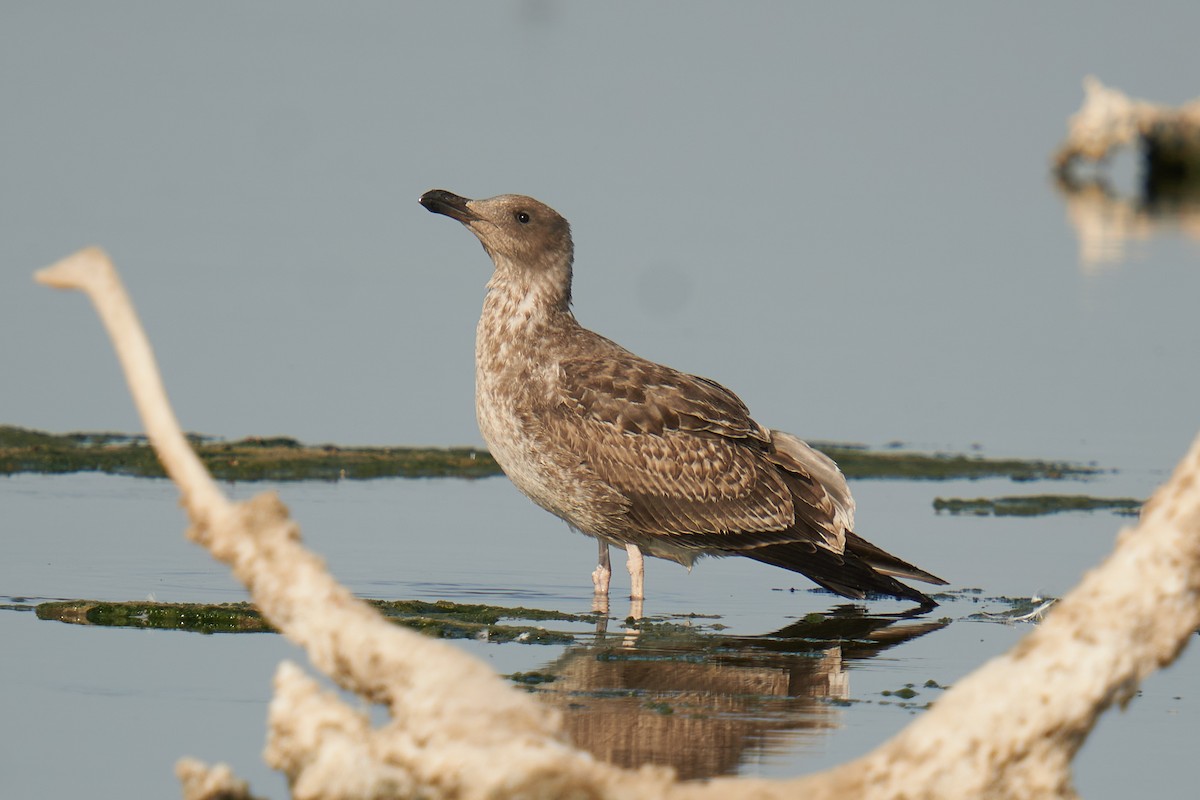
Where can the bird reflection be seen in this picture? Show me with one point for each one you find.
(704, 703)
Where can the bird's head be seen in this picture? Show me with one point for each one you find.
(523, 236)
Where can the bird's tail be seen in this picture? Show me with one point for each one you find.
(883, 561)
(863, 569)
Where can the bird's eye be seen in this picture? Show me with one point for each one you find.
(522, 218)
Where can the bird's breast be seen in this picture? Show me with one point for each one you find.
(514, 378)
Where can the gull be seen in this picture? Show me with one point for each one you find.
(636, 454)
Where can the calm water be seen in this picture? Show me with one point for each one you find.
(843, 214)
(103, 694)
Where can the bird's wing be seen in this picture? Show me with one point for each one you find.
(638, 396)
(795, 455)
(689, 459)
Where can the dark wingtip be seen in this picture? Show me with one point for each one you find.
(848, 574)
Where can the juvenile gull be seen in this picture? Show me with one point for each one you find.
(634, 453)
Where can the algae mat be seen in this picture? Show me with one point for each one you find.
(285, 459)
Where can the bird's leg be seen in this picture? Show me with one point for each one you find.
(637, 579)
(635, 609)
(602, 574)
(637, 572)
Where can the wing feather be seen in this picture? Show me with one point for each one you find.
(690, 461)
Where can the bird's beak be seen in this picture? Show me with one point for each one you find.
(439, 201)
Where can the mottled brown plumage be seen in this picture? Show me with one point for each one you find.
(634, 453)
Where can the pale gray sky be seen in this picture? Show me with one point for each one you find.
(842, 213)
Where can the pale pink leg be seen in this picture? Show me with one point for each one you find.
(637, 572)
(602, 575)
(635, 609)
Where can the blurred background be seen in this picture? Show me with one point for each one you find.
(844, 214)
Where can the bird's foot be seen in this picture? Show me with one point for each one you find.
(601, 578)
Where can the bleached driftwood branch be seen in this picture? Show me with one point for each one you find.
(1009, 730)
(1169, 196)
(1109, 119)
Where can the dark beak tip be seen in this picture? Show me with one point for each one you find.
(440, 196)
(431, 197)
(440, 201)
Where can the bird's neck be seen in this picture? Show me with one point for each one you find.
(525, 320)
(525, 300)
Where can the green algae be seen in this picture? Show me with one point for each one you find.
(251, 459)
(472, 612)
(194, 617)
(441, 620)
(1035, 505)
(444, 619)
(531, 678)
(281, 458)
(860, 462)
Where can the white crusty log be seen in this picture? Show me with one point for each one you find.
(1109, 119)
(1168, 140)
(1009, 730)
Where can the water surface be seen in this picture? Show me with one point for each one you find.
(741, 703)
